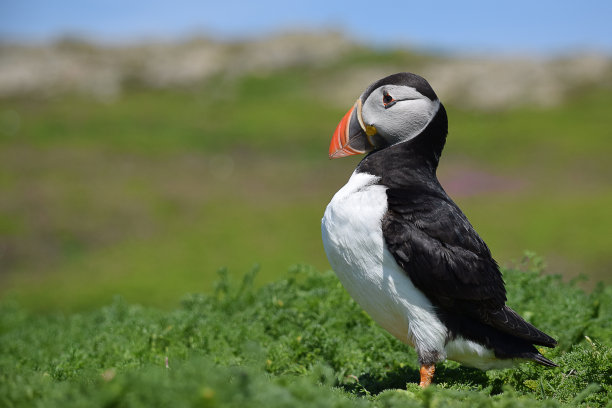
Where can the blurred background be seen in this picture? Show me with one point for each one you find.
(145, 145)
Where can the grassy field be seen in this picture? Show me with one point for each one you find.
(113, 210)
(299, 341)
(149, 194)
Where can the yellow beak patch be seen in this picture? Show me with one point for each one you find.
(370, 130)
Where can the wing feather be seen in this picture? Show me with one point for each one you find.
(435, 244)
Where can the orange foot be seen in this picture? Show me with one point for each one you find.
(427, 374)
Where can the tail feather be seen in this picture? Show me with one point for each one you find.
(540, 359)
(508, 321)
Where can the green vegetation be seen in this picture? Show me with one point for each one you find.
(299, 341)
(148, 194)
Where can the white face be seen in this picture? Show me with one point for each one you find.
(398, 112)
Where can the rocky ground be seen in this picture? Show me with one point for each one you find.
(103, 71)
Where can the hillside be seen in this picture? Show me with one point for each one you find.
(141, 169)
(153, 195)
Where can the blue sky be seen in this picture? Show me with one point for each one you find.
(535, 27)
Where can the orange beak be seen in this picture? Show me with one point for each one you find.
(350, 136)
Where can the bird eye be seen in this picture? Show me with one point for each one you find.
(387, 100)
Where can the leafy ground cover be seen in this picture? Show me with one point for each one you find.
(298, 341)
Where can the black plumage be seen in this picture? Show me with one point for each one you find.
(435, 244)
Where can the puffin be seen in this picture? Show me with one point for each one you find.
(404, 250)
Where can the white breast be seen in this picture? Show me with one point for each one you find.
(353, 241)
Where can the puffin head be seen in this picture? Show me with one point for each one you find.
(393, 109)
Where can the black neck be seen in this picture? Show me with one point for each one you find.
(411, 162)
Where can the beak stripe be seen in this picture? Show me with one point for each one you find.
(341, 144)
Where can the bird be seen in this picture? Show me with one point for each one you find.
(404, 250)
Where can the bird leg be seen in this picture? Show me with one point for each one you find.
(427, 374)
